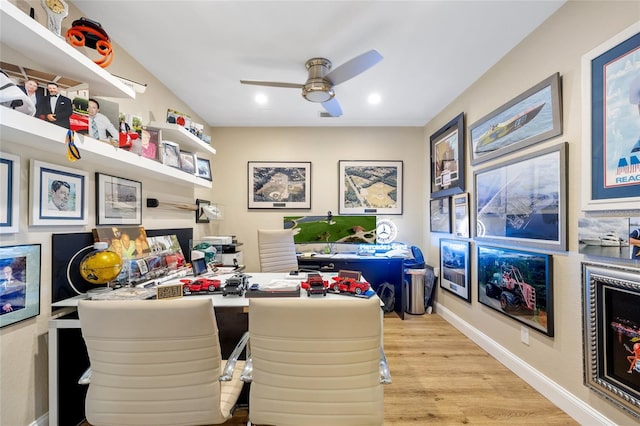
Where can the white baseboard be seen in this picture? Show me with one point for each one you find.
(43, 420)
(566, 401)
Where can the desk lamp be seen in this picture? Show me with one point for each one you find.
(100, 266)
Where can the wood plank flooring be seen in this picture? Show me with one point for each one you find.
(440, 377)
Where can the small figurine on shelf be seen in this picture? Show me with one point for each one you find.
(56, 10)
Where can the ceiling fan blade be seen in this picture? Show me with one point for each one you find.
(353, 67)
(333, 107)
(273, 84)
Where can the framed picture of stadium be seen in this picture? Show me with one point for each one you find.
(370, 187)
(279, 185)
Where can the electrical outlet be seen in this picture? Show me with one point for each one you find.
(524, 335)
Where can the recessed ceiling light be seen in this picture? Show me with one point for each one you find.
(261, 99)
(374, 99)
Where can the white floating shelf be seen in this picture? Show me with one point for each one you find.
(183, 137)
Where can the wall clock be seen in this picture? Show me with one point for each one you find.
(386, 231)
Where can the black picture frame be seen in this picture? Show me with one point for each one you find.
(20, 270)
(118, 200)
(448, 159)
(510, 128)
(518, 284)
(204, 168)
(455, 268)
(611, 327)
(279, 185)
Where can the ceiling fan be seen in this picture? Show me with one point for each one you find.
(319, 86)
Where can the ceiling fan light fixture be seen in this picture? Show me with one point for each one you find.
(317, 92)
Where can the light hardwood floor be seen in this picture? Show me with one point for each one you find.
(440, 377)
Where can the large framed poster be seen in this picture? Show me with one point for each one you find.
(370, 187)
(611, 123)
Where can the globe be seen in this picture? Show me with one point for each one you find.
(100, 267)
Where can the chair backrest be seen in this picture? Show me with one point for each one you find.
(315, 361)
(154, 362)
(276, 250)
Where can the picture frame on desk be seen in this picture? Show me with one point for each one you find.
(20, 276)
(611, 148)
(370, 187)
(611, 327)
(9, 193)
(118, 201)
(279, 185)
(59, 195)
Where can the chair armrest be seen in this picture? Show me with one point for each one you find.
(85, 379)
(247, 372)
(385, 374)
(227, 373)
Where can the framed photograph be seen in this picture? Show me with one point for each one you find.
(147, 144)
(611, 326)
(447, 159)
(59, 195)
(517, 284)
(370, 187)
(9, 193)
(610, 124)
(460, 207)
(532, 117)
(279, 185)
(440, 218)
(616, 237)
(170, 154)
(454, 264)
(179, 118)
(523, 201)
(188, 162)
(19, 283)
(118, 201)
(204, 168)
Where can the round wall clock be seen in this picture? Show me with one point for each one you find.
(386, 231)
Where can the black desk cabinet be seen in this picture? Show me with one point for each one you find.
(376, 270)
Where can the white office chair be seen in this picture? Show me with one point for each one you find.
(276, 250)
(156, 362)
(316, 362)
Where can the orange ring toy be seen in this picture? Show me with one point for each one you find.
(86, 32)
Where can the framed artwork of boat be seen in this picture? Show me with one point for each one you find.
(532, 117)
(447, 158)
(615, 237)
(611, 123)
(523, 201)
(611, 330)
(517, 284)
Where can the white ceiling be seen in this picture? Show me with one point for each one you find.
(433, 51)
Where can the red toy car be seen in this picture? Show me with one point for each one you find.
(315, 285)
(348, 285)
(198, 285)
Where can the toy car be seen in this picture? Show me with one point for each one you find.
(200, 284)
(348, 285)
(315, 285)
(237, 284)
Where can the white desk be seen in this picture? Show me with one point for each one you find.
(232, 302)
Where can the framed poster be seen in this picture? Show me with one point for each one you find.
(59, 195)
(460, 207)
(529, 118)
(517, 284)
(19, 283)
(279, 185)
(9, 193)
(440, 218)
(523, 201)
(118, 201)
(447, 158)
(454, 264)
(611, 123)
(611, 327)
(370, 187)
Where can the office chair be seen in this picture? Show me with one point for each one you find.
(276, 250)
(316, 362)
(156, 362)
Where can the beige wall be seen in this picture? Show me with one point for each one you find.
(556, 46)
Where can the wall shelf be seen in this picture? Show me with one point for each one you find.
(19, 129)
(180, 135)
